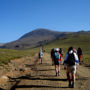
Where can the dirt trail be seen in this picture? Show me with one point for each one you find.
(43, 77)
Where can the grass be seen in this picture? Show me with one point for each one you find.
(75, 40)
(7, 54)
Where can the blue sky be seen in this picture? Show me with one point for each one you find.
(18, 17)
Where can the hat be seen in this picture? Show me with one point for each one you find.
(57, 49)
(70, 52)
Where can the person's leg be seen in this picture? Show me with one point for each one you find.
(68, 75)
(73, 76)
(59, 69)
(56, 69)
(80, 59)
(41, 60)
(69, 79)
(73, 80)
(52, 61)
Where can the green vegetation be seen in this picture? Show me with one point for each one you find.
(7, 54)
(75, 40)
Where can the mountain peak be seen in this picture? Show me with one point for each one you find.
(34, 38)
(37, 37)
(39, 32)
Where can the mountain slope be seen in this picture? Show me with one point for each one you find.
(34, 38)
(1, 44)
(43, 36)
(76, 40)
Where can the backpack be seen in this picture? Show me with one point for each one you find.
(79, 52)
(56, 56)
(61, 51)
(40, 54)
(70, 60)
(52, 53)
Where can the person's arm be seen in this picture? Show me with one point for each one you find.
(65, 64)
(66, 57)
(76, 58)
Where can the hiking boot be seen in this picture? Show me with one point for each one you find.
(56, 74)
(73, 85)
(69, 83)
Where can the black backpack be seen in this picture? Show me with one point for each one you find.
(70, 60)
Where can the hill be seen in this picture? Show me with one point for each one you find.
(1, 44)
(41, 36)
(34, 38)
(79, 39)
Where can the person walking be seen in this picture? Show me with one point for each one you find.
(79, 53)
(61, 51)
(52, 55)
(57, 61)
(71, 61)
(40, 56)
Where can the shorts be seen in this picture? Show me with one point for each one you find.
(56, 62)
(71, 69)
(59, 62)
(40, 57)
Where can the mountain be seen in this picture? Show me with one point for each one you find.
(39, 37)
(78, 39)
(1, 44)
(34, 38)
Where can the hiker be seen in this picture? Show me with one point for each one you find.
(52, 56)
(70, 63)
(57, 61)
(40, 56)
(61, 51)
(74, 50)
(79, 53)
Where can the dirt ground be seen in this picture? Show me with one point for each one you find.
(42, 77)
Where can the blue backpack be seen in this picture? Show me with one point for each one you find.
(40, 54)
(57, 56)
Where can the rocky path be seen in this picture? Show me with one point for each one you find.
(42, 77)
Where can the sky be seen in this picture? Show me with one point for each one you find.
(18, 17)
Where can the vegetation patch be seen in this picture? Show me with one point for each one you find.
(75, 40)
(7, 54)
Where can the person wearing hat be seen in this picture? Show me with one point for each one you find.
(40, 56)
(57, 61)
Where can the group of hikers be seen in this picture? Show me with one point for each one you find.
(71, 61)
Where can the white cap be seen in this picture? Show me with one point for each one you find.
(57, 49)
(70, 52)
